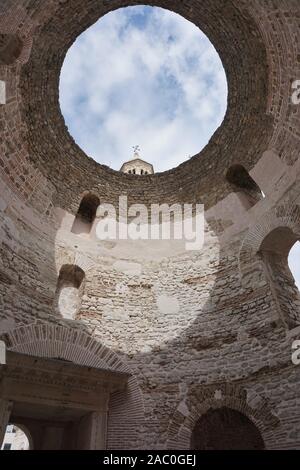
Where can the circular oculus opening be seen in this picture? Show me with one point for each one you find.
(143, 76)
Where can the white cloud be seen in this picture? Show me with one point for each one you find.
(143, 75)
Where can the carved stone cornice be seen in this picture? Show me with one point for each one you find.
(52, 381)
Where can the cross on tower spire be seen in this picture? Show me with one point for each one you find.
(137, 166)
(136, 150)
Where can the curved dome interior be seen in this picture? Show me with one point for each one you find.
(172, 334)
(143, 75)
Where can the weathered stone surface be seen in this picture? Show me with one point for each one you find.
(225, 344)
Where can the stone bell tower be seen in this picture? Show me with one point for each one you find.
(137, 166)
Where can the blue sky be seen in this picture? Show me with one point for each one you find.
(143, 76)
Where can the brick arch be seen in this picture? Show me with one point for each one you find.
(14, 49)
(188, 413)
(10, 48)
(126, 408)
(77, 259)
(285, 216)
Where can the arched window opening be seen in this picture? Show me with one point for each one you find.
(2, 92)
(142, 172)
(279, 251)
(226, 429)
(86, 215)
(244, 186)
(16, 438)
(294, 263)
(134, 172)
(10, 48)
(70, 287)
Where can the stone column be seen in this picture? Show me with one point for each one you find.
(92, 431)
(98, 431)
(5, 410)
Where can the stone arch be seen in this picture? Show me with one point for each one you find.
(10, 48)
(189, 411)
(285, 216)
(243, 185)
(28, 434)
(126, 408)
(69, 291)
(226, 429)
(265, 253)
(86, 214)
(65, 256)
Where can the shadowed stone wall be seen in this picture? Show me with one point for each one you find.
(196, 329)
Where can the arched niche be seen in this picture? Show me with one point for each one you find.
(226, 429)
(69, 290)
(86, 214)
(10, 48)
(275, 250)
(244, 186)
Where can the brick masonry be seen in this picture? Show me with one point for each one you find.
(196, 330)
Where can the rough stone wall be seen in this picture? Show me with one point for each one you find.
(197, 330)
(56, 27)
